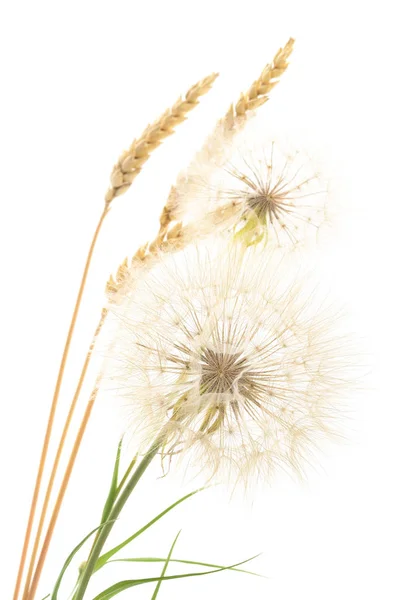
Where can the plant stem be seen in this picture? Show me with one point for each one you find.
(62, 491)
(53, 407)
(114, 514)
(119, 489)
(58, 456)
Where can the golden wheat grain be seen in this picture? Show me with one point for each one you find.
(228, 126)
(132, 160)
(174, 239)
(258, 92)
(168, 240)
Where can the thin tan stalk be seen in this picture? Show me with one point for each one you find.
(53, 407)
(62, 491)
(123, 174)
(59, 453)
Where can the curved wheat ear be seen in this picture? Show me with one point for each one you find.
(170, 241)
(131, 161)
(212, 154)
(257, 95)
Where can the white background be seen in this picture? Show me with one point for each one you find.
(80, 80)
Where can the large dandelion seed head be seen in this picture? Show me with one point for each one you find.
(238, 363)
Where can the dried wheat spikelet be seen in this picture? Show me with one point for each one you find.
(213, 153)
(175, 238)
(257, 95)
(132, 160)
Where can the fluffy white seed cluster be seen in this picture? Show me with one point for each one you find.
(269, 191)
(242, 367)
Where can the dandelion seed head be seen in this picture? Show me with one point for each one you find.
(267, 190)
(238, 362)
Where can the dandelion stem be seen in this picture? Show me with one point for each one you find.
(114, 514)
(119, 488)
(53, 407)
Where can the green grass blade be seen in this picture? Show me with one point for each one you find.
(69, 560)
(45, 598)
(128, 583)
(168, 558)
(183, 562)
(113, 490)
(105, 557)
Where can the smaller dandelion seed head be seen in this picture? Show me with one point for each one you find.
(241, 365)
(281, 195)
(264, 190)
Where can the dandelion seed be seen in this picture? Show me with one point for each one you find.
(241, 365)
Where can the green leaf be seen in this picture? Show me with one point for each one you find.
(45, 598)
(113, 490)
(184, 562)
(105, 557)
(69, 560)
(115, 589)
(168, 558)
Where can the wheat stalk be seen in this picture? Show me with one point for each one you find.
(132, 160)
(33, 582)
(123, 174)
(51, 417)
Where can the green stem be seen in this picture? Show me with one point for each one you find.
(113, 515)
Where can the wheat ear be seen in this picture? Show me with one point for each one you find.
(257, 94)
(132, 160)
(174, 239)
(211, 152)
(168, 240)
(123, 174)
